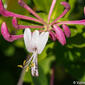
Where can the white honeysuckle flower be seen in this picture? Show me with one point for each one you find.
(35, 43)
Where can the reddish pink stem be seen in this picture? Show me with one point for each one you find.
(52, 78)
(16, 25)
(82, 22)
(6, 13)
(67, 8)
(30, 10)
(7, 36)
(28, 26)
(65, 11)
(51, 9)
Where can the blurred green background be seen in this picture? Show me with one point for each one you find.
(67, 61)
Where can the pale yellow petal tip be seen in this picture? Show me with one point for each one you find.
(24, 62)
(20, 66)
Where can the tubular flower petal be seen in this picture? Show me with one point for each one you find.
(81, 22)
(66, 5)
(6, 35)
(52, 35)
(35, 44)
(15, 23)
(27, 39)
(59, 34)
(21, 2)
(51, 9)
(66, 30)
(43, 38)
(35, 41)
(17, 26)
(67, 8)
(6, 13)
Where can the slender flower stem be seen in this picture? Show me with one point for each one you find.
(82, 22)
(67, 8)
(20, 82)
(11, 14)
(28, 26)
(52, 78)
(51, 9)
(6, 13)
(21, 2)
(17, 26)
(64, 12)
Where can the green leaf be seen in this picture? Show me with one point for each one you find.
(9, 51)
(43, 5)
(46, 63)
(27, 77)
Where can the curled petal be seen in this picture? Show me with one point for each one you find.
(15, 23)
(66, 30)
(2, 9)
(51, 9)
(6, 35)
(67, 8)
(6, 13)
(59, 34)
(27, 39)
(43, 38)
(66, 5)
(35, 40)
(17, 26)
(52, 35)
(21, 2)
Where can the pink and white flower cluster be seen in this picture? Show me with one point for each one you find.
(36, 41)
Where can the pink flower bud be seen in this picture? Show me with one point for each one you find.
(15, 23)
(59, 34)
(66, 30)
(84, 11)
(52, 36)
(6, 34)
